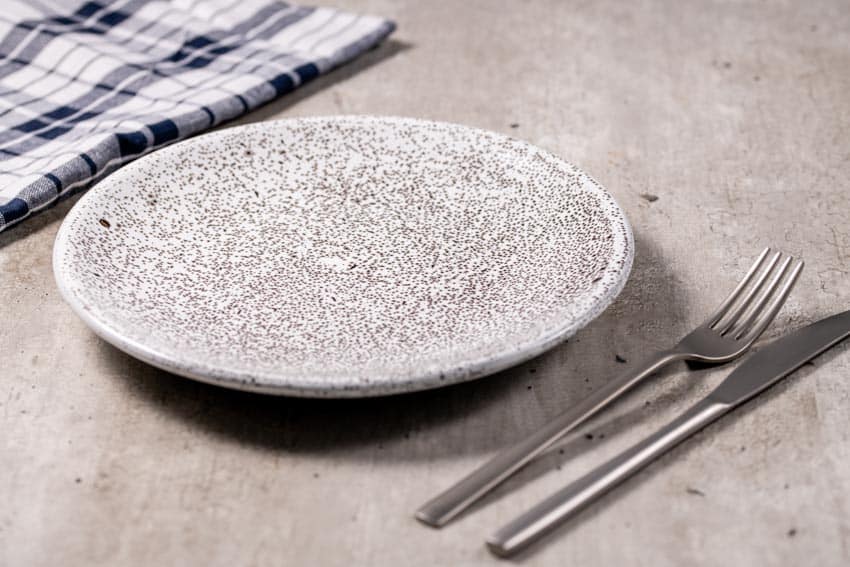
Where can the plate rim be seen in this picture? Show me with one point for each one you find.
(278, 383)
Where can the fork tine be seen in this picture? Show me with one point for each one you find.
(767, 317)
(748, 298)
(756, 309)
(727, 303)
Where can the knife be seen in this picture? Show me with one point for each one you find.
(762, 370)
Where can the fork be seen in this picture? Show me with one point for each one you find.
(725, 335)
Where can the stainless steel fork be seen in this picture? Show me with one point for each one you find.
(725, 335)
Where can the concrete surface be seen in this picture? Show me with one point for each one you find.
(735, 115)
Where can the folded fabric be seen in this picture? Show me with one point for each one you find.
(87, 87)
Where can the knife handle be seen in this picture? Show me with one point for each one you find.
(566, 502)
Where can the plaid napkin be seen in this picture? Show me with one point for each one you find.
(88, 86)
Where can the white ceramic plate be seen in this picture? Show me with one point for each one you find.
(342, 256)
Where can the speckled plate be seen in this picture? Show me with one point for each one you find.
(342, 256)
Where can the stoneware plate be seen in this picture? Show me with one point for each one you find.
(342, 256)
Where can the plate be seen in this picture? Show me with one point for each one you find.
(342, 256)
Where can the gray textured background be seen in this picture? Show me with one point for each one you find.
(735, 115)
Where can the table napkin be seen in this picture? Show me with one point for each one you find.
(88, 86)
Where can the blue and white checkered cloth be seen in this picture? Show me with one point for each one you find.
(88, 86)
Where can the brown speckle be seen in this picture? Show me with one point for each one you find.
(792, 532)
(104, 223)
(620, 359)
(649, 197)
(695, 491)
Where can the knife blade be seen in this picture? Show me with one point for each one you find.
(781, 358)
(760, 371)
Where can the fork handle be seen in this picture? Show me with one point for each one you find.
(450, 503)
(566, 502)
